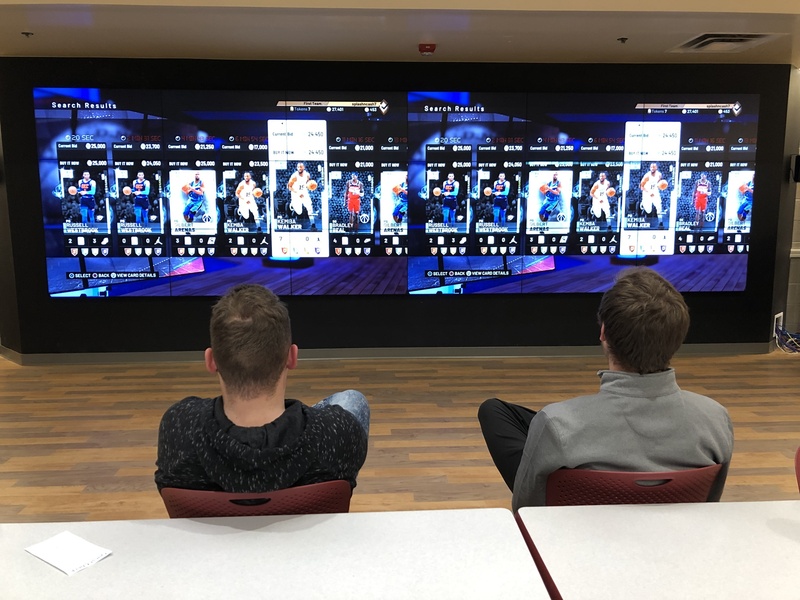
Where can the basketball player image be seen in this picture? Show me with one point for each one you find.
(352, 199)
(449, 198)
(401, 201)
(702, 190)
(195, 196)
(651, 185)
(746, 205)
(600, 202)
(552, 196)
(500, 190)
(86, 190)
(141, 197)
(245, 192)
(298, 186)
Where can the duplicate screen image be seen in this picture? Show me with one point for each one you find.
(184, 193)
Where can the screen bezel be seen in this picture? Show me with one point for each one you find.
(45, 324)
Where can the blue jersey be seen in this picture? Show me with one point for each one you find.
(450, 188)
(501, 193)
(141, 191)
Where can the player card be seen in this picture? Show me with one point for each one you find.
(698, 199)
(298, 167)
(549, 206)
(739, 201)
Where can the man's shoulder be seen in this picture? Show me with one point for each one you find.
(191, 405)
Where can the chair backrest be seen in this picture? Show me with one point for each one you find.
(315, 498)
(585, 486)
(797, 466)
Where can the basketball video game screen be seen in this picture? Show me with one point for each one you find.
(183, 193)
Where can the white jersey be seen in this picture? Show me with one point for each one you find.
(600, 198)
(651, 195)
(298, 187)
(247, 202)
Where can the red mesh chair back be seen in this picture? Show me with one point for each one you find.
(327, 497)
(797, 467)
(585, 486)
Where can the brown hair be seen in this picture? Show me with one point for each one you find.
(250, 339)
(645, 320)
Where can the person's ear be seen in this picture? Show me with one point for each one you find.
(211, 366)
(602, 332)
(291, 360)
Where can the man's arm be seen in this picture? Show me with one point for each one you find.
(542, 455)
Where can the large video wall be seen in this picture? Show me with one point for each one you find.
(378, 193)
(448, 211)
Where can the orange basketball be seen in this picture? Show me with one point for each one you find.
(186, 188)
(611, 192)
(743, 188)
(312, 185)
(72, 190)
(126, 190)
(258, 193)
(437, 191)
(662, 184)
(487, 191)
(544, 188)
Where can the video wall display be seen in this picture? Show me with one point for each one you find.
(183, 193)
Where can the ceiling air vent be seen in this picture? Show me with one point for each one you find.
(723, 43)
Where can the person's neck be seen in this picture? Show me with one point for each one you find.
(256, 411)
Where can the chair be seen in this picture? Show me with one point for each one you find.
(797, 467)
(315, 498)
(585, 486)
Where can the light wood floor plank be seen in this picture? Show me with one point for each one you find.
(79, 442)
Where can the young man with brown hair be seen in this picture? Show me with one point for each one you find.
(639, 421)
(250, 438)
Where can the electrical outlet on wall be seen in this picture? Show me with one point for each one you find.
(777, 323)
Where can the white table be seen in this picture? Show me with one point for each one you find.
(436, 554)
(736, 550)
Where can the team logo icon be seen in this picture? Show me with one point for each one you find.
(366, 251)
(180, 251)
(158, 251)
(338, 251)
(483, 249)
(562, 249)
(234, 251)
(512, 250)
(85, 251)
(434, 250)
(534, 249)
(200, 251)
(388, 251)
(74, 251)
(584, 249)
(211, 251)
(104, 251)
(358, 251)
(147, 251)
(682, 249)
(462, 250)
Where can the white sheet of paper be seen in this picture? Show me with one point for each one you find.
(68, 552)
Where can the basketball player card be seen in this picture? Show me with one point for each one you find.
(298, 169)
(549, 205)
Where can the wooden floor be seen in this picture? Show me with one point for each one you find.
(79, 442)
